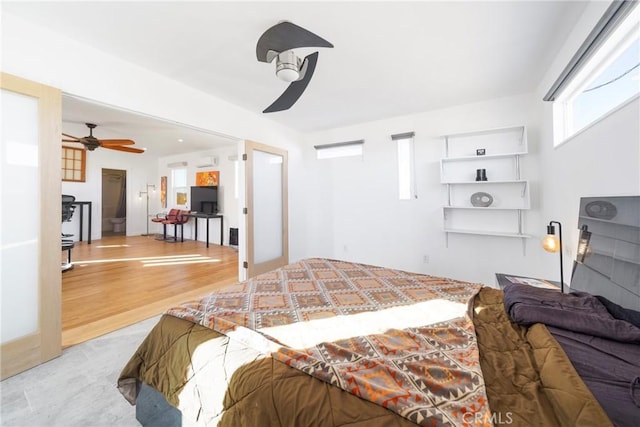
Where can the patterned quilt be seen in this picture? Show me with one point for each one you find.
(401, 340)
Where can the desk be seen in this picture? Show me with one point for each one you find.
(197, 215)
(82, 205)
(505, 279)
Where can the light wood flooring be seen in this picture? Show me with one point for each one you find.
(118, 281)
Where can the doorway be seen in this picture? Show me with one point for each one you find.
(114, 202)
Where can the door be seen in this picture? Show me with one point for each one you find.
(114, 202)
(30, 241)
(267, 208)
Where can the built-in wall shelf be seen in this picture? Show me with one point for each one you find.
(488, 233)
(488, 208)
(498, 152)
(486, 182)
(481, 158)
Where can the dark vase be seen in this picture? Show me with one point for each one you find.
(481, 174)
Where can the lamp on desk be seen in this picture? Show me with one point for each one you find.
(553, 243)
(153, 187)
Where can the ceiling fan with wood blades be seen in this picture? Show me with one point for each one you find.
(277, 43)
(91, 142)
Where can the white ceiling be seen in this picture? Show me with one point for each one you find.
(390, 58)
(158, 137)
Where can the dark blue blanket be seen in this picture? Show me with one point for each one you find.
(604, 349)
(578, 312)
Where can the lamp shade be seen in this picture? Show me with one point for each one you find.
(553, 243)
(288, 66)
(584, 249)
(288, 74)
(550, 243)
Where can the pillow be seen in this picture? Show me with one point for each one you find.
(620, 312)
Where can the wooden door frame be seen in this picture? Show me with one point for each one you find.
(252, 269)
(45, 344)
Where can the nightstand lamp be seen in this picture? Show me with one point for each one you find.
(553, 243)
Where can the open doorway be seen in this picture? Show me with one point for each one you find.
(114, 202)
(116, 183)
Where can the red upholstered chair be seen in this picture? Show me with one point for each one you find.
(160, 219)
(178, 220)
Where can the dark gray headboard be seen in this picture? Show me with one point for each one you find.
(611, 266)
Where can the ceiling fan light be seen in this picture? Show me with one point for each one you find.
(288, 66)
(288, 74)
(91, 144)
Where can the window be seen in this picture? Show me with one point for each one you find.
(604, 74)
(617, 83)
(179, 186)
(74, 164)
(406, 166)
(339, 149)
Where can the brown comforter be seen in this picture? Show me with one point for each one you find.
(528, 378)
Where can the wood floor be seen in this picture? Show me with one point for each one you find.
(118, 281)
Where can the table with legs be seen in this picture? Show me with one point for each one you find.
(82, 205)
(208, 217)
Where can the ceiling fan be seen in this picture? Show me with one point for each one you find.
(277, 42)
(91, 142)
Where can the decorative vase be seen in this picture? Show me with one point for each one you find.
(481, 174)
(481, 199)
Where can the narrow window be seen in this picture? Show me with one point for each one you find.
(74, 163)
(339, 149)
(179, 186)
(406, 166)
(604, 74)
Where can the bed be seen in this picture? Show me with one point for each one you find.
(331, 342)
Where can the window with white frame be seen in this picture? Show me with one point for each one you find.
(339, 149)
(406, 166)
(179, 186)
(603, 75)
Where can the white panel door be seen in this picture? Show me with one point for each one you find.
(267, 219)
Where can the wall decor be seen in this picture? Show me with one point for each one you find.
(481, 199)
(163, 191)
(480, 152)
(181, 198)
(207, 179)
(601, 209)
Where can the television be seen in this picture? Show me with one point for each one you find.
(204, 199)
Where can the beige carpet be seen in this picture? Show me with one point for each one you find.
(78, 388)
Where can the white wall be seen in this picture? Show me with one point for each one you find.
(603, 160)
(35, 53)
(228, 204)
(140, 171)
(338, 204)
(357, 214)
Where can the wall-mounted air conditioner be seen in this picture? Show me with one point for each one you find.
(206, 162)
(177, 165)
